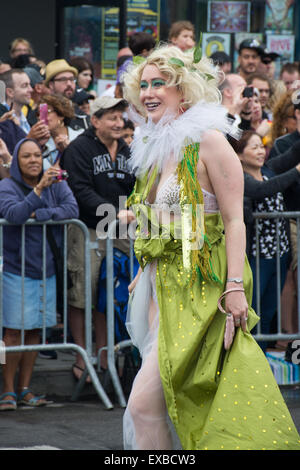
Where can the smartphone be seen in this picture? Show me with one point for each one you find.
(248, 92)
(44, 113)
(2, 92)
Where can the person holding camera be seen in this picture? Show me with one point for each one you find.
(30, 192)
(59, 112)
(237, 99)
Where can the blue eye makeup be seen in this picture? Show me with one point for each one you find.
(143, 85)
(158, 82)
(155, 83)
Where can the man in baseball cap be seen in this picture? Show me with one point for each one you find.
(222, 60)
(107, 103)
(98, 176)
(37, 81)
(82, 99)
(268, 59)
(250, 52)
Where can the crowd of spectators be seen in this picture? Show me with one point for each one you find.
(89, 136)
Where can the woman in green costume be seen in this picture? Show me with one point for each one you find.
(214, 393)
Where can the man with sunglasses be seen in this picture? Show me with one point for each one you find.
(61, 80)
(268, 63)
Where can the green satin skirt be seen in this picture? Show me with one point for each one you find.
(216, 399)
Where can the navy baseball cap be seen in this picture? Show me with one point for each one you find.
(251, 44)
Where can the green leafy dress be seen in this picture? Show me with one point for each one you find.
(215, 399)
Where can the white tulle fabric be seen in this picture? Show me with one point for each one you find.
(155, 143)
(146, 425)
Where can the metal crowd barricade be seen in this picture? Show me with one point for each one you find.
(86, 353)
(279, 335)
(111, 347)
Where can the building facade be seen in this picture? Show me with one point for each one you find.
(98, 28)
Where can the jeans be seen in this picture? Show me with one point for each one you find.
(268, 291)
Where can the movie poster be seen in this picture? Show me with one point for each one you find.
(215, 42)
(228, 17)
(279, 16)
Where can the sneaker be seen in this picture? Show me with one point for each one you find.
(49, 354)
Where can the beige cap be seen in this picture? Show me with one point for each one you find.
(105, 102)
(58, 66)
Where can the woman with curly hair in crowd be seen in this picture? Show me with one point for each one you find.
(60, 114)
(284, 121)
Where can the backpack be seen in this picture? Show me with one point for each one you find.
(121, 282)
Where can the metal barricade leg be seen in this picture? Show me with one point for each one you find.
(87, 353)
(110, 320)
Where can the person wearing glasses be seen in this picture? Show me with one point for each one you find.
(61, 80)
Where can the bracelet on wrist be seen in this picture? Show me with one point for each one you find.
(236, 280)
(6, 165)
(236, 289)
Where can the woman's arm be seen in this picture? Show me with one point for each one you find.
(285, 161)
(14, 209)
(258, 190)
(65, 207)
(225, 174)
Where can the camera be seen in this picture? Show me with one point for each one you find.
(248, 92)
(63, 175)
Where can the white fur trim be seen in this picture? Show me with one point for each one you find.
(156, 143)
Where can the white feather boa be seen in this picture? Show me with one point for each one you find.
(154, 144)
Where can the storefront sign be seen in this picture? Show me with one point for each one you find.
(215, 42)
(283, 45)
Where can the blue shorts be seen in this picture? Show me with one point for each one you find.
(33, 302)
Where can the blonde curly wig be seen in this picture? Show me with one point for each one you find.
(196, 82)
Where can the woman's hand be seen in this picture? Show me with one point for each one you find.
(48, 178)
(236, 304)
(263, 128)
(61, 142)
(10, 115)
(5, 156)
(39, 132)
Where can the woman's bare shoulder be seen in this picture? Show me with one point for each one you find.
(213, 139)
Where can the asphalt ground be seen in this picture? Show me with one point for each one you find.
(82, 425)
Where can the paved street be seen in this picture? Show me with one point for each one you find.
(84, 425)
